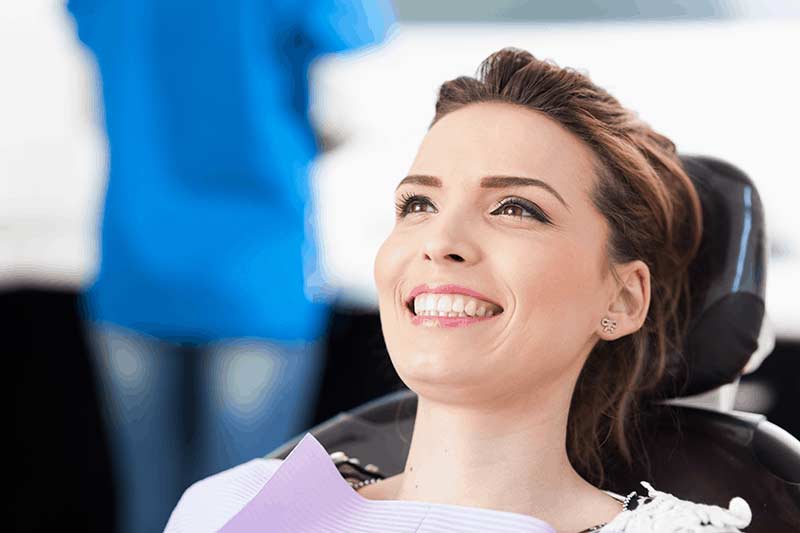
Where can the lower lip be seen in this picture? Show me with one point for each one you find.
(447, 321)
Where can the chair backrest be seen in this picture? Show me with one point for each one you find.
(697, 454)
(727, 281)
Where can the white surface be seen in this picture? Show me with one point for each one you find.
(724, 89)
(52, 149)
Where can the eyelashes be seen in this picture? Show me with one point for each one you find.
(403, 207)
(533, 210)
(406, 200)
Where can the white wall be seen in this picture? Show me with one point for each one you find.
(52, 149)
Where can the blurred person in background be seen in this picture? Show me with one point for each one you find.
(209, 311)
(51, 171)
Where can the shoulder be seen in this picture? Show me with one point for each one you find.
(662, 512)
(211, 502)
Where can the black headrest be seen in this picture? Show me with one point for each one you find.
(727, 280)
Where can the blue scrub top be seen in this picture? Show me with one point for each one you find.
(206, 229)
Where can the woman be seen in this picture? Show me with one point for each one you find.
(532, 289)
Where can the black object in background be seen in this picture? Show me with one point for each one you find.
(780, 373)
(358, 368)
(62, 473)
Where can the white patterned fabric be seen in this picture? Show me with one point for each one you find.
(661, 512)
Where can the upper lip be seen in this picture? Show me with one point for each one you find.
(447, 289)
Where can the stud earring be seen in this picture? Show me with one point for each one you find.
(608, 325)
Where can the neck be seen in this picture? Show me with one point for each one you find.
(507, 455)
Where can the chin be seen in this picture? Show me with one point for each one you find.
(430, 372)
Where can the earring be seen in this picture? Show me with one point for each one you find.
(608, 325)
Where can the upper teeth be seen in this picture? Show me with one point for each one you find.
(452, 305)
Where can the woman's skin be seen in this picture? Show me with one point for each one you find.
(494, 396)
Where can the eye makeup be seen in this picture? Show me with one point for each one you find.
(407, 200)
(534, 210)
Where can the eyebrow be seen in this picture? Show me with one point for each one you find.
(487, 182)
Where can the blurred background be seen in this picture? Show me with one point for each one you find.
(192, 195)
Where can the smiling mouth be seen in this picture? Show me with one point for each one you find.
(451, 306)
(447, 319)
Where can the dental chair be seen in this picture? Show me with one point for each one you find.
(700, 448)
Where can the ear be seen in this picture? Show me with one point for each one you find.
(630, 300)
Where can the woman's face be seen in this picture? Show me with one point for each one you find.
(535, 250)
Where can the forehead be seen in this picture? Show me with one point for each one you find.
(493, 138)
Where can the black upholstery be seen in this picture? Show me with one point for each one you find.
(697, 454)
(728, 280)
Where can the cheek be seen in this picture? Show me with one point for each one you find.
(558, 291)
(554, 300)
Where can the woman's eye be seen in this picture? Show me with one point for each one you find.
(517, 207)
(514, 207)
(413, 203)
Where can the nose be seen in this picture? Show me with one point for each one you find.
(448, 240)
(455, 257)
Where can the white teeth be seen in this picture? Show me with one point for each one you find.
(445, 303)
(430, 301)
(470, 308)
(443, 313)
(452, 305)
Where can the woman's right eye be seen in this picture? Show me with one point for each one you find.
(407, 205)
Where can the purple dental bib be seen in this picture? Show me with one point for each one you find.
(307, 493)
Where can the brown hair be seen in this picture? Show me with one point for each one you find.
(653, 212)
